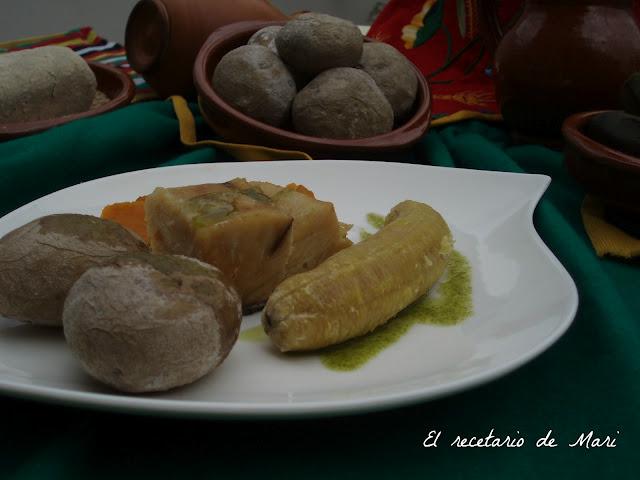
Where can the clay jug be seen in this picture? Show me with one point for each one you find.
(561, 57)
(163, 37)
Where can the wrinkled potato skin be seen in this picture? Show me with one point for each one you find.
(256, 82)
(40, 261)
(314, 42)
(342, 103)
(266, 37)
(147, 323)
(393, 74)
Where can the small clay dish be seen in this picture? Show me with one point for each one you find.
(112, 82)
(607, 173)
(234, 126)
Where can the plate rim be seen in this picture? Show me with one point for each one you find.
(122, 403)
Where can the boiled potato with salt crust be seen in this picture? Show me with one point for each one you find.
(256, 82)
(266, 37)
(342, 103)
(314, 42)
(147, 323)
(40, 261)
(393, 74)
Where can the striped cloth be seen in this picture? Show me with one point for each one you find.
(90, 46)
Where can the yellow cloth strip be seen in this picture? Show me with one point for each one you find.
(107, 54)
(28, 40)
(72, 42)
(606, 239)
(92, 36)
(40, 38)
(238, 151)
(465, 115)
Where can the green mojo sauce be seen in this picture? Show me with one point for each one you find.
(449, 303)
(253, 334)
(376, 221)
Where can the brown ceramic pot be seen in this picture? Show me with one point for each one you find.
(612, 175)
(561, 57)
(163, 37)
(234, 126)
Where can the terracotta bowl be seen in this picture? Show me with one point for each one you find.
(113, 82)
(234, 126)
(607, 173)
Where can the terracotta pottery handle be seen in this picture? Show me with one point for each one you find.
(490, 27)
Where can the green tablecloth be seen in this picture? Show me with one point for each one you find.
(588, 381)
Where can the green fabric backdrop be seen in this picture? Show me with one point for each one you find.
(589, 380)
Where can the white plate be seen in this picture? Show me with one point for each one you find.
(523, 299)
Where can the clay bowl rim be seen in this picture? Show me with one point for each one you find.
(572, 130)
(124, 97)
(402, 136)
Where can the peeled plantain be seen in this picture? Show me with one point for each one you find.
(361, 287)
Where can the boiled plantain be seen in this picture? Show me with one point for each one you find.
(363, 286)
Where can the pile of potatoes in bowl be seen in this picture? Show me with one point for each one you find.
(317, 76)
